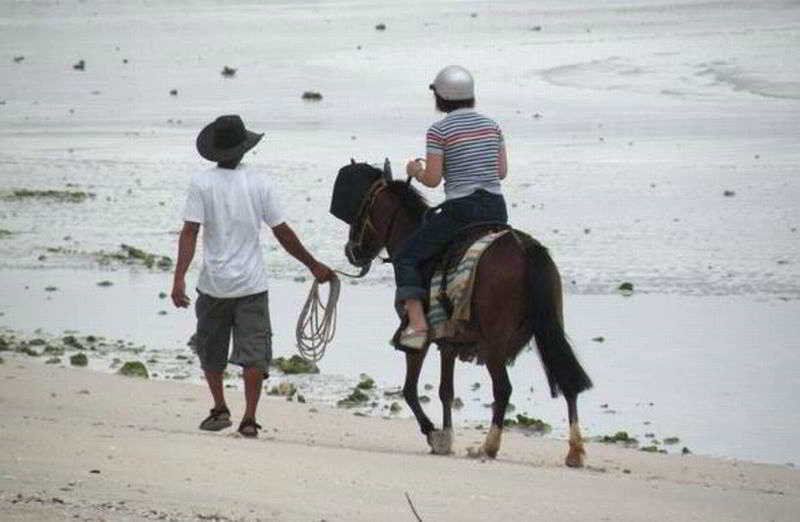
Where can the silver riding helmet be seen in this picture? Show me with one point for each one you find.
(454, 83)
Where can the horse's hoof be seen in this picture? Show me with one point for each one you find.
(574, 460)
(475, 453)
(491, 446)
(576, 452)
(441, 442)
(480, 453)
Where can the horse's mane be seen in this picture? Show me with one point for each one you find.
(409, 197)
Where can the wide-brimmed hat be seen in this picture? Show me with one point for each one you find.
(226, 139)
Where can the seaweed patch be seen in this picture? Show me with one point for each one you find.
(134, 369)
(530, 424)
(294, 365)
(79, 359)
(356, 398)
(62, 196)
(131, 255)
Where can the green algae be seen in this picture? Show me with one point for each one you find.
(528, 424)
(134, 369)
(356, 398)
(295, 365)
(61, 196)
(79, 359)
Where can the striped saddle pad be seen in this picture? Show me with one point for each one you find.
(460, 280)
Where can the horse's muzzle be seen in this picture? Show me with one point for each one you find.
(355, 256)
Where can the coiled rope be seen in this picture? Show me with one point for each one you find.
(316, 325)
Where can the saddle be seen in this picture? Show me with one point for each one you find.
(448, 269)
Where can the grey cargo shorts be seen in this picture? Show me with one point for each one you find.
(247, 318)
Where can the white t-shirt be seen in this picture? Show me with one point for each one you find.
(231, 205)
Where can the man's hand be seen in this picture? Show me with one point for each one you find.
(322, 273)
(179, 297)
(186, 245)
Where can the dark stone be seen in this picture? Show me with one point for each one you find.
(312, 96)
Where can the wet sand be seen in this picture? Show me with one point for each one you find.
(85, 445)
(718, 373)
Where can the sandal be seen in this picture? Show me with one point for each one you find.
(413, 339)
(217, 420)
(249, 428)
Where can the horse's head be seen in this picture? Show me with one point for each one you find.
(367, 199)
(354, 191)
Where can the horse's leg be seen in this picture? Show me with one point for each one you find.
(442, 441)
(501, 389)
(576, 452)
(414, 362)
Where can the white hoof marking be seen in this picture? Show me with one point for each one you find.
(441, 442)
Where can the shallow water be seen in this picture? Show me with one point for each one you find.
(719, 373)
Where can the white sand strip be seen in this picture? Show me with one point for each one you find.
(60, 424)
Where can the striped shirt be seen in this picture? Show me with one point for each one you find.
(471, 144)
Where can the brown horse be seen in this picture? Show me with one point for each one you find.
(517, 296)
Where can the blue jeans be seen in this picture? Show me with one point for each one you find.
(436, 232)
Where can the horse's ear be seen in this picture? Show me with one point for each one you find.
(352, 161)
(387, 169)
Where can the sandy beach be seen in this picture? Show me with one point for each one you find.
(89, 446)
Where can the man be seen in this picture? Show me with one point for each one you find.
(230, 201)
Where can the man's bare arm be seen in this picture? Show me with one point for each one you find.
(186, 248)
(289, 241)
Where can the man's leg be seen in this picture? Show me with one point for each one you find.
(252, 349)
(214, 380)
(253, 379)
(214, 319)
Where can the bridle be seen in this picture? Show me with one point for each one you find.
(363, 221)
(316, 325)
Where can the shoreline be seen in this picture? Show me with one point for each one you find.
(648, 367)
(88, 445)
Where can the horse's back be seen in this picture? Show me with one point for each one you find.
(502, 295)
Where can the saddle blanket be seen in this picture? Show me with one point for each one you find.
(460, 280)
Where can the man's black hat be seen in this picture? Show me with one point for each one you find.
(226, 139)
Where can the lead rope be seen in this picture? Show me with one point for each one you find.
(316, 325)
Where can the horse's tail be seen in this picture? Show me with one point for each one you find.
(564, 372)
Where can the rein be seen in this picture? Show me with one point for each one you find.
(316, 325)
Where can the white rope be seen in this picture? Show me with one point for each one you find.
(316, 325)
